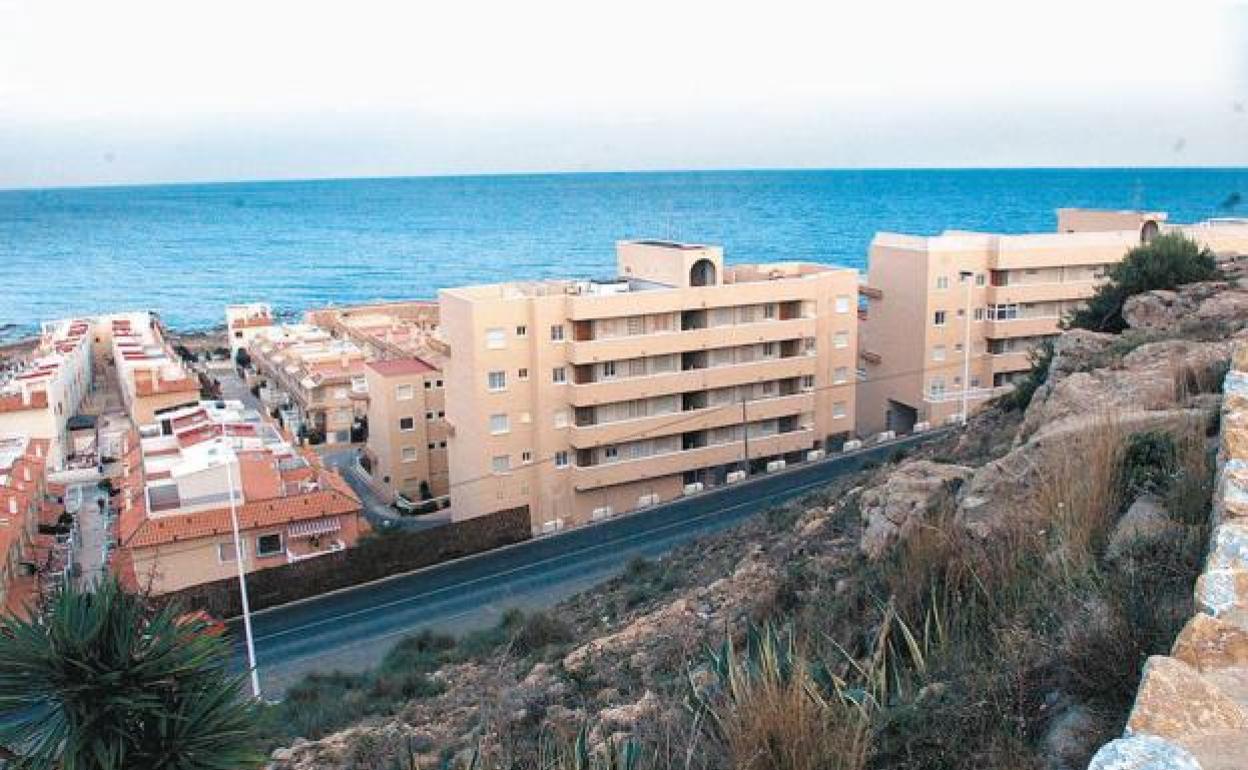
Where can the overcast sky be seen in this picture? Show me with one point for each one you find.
(124, 91)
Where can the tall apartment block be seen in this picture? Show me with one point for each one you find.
(583, 399)
(958, 313)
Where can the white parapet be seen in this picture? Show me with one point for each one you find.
(775, 465)
(814, 454)
(851, 445)
(694, 488)
(734, 476)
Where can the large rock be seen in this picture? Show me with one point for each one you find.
(1176, 703)
(1147, 379)
(894, 509)
(1209, 644)
(1212, 302)
(1146, 521)
(1228, 549)
(1224, 594)
(1143, 752)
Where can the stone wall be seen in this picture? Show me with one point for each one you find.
(1191, 710)
(378, 556)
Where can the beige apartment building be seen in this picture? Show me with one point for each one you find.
(586, 399)
(956, 315)
(245, 322)
(38, 397)
(316, 382)
(406, 453)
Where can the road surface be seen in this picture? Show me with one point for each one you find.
(349, 630)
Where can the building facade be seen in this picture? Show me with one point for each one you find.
(23, 506)
(406, 452)
(586, 399)
(39, 397)
(243, 323)
(957, 315)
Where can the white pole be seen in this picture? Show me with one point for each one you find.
(966, 348)
(242, 580)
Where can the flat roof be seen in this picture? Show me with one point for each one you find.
(397, 367)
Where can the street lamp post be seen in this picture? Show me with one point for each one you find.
(242, 578)
(967, 277)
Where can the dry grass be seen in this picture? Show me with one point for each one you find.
(1079, 492)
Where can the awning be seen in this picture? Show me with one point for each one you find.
(314, 527)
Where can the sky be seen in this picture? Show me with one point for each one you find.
(139, 91)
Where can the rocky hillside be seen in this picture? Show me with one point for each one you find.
(987, 602)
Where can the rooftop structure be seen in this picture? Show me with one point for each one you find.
(315, 381)
(26, 556)
(180, 477)
(245, 322)
(586, 398)
(957, 314)
(38, 397)
(152, 377)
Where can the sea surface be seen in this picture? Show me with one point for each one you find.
(187, 250)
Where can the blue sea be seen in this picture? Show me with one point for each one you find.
(187, 250)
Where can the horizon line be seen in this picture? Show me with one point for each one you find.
(616, 172)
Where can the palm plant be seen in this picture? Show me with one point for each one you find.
(102, 681)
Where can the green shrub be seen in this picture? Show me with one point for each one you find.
(1151, 463)
(1020, 397)
(1167, 262)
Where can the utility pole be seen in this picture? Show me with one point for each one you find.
(745, 437)
(966, 276)
(242, 577)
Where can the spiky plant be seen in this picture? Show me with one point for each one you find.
(102, 681)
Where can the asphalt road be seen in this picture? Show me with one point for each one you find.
(349, 630)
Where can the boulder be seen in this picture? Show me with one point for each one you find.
(1145, 521)
(1176, 703)
(911, 493)
(1228, 549)
(1143, 752)
(1209, 644)
(1211, 302)
(1223, 593)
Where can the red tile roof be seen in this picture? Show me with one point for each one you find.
(149, 531)
(399, 367)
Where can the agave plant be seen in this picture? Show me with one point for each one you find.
(102, 681)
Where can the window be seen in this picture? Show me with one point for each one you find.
(769, 311)
(839, 374)
(957, 348)
(841, 340)
(561, 418)
(522, 374)
(938, 353)
(608, 370)
(407, 423)
(611, 453)
(808, 382)
(408, 454)
(428, 415)
(937, 386)
(559, 375)
(404, 393)
(561, 459)
(441, 445)
(939, 318)
(432, 446)
(441, 414)
(961, 312)
(226, 552)
(974, 382)
(428, 384)
(636, 325)
(501, 464)
(269, 545)
(980, 279)
(770, 350)
(526, 457)
(439, 383)
(942, 282)
(497, 381)
(838, 409)
(495, 339)
(556, 333)
(842, 304)
(499, 424)
(522, 331)
(979, 314)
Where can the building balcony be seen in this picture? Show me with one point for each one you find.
(630, 388)
(603, 434)
(623, 471)
(302, 550)
(641, 345)
(1021, 327)
(974, 395)
(1040, 292)
(591, 307)
(1015, 361)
